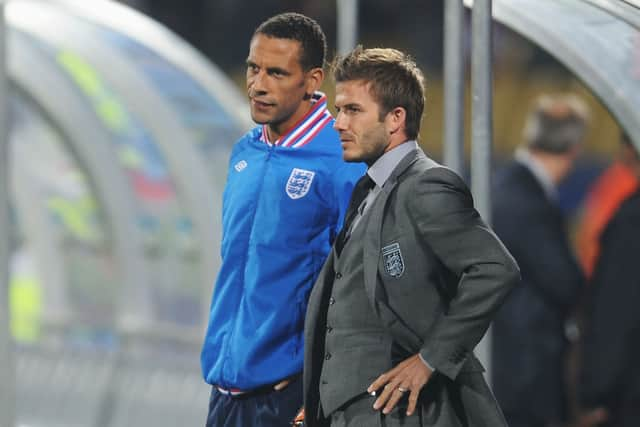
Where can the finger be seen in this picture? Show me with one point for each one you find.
(384, 396)
(281, 385)
(413, 401)
(387, 377)
(379, 382)
(396, 395)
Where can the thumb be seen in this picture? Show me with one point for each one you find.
(281, 385)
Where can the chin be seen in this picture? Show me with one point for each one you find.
(259, 118)
(350, 157)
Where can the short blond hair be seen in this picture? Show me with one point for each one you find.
(556, 123)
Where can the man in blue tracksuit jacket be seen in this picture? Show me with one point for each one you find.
(287, 191)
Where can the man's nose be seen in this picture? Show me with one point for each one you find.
(340, 122)
(257, 84)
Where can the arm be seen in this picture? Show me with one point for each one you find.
(446, 220)
(442, 211)
(536, 236)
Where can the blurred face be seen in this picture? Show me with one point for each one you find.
(277, 84)
(364, 137)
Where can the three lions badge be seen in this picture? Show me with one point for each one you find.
(392, 258)
(299, 183)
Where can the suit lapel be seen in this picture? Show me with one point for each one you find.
(374, 226)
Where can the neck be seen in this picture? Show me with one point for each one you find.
(394, 141)
(276, 130)
(556, 165)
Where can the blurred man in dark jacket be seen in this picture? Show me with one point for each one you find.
(610, 376)
(529, 344)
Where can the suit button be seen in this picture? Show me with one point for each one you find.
(332, 301)
(329, 329)
(339, 276)
(324, 382)
(327, 356)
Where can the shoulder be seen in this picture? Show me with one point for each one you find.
(325, 141)
(428, 176)
(627, 217)
(630, 208)
(515, 188)
(252, 135)
(511, 176)
(432, 190)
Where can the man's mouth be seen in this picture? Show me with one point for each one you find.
(261, 104)
(346, 139)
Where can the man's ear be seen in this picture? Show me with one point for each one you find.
(313, 81)
(396, 119)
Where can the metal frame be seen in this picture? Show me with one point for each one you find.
(177, 51)
(93, 149)
(539, 22)
(39, 230)
(7, 363)
(200, 195)
(623, 11)
(482, 129)
(347, 17)
(185, 164)
(454, 84)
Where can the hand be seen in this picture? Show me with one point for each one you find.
(410, 375)
(299, 419)
(281, 385)
(591, 418)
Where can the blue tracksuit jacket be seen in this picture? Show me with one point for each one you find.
(282, 208)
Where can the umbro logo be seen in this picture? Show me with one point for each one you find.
(241, 165)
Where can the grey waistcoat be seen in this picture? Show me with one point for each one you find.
(357, 347)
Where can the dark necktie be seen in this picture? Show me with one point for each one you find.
(360, 192)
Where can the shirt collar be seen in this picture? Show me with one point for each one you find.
(381, 170)
(306, 128)
(538, 171)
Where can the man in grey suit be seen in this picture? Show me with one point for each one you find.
(414, 277)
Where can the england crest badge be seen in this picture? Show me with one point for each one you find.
(299, 183)
(392, 258)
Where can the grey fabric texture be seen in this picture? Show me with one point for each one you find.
(434, 274)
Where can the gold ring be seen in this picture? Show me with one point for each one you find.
(402, 389)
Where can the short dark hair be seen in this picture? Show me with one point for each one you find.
(301, 28)
(395, 79)
(556, 123)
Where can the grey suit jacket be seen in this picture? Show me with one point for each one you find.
(438, 300)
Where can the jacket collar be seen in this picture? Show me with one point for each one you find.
(306, 128)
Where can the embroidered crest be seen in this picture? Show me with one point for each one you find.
(241, 165)
(299, 183)
(393, 262)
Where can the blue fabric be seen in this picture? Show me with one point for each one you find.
(278, 226)
(269, 409)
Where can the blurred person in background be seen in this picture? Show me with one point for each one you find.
(529, 346)
(611, 188)
(286, 194)
(610, 371)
